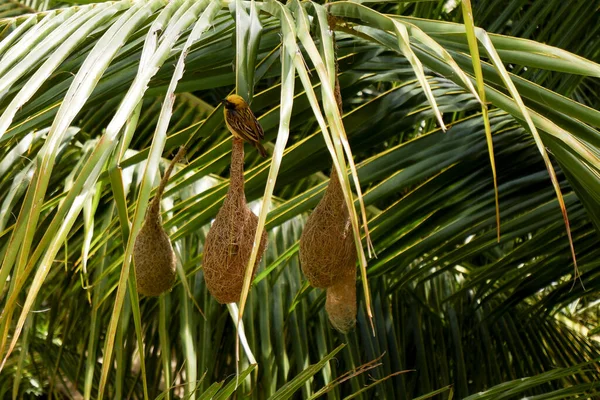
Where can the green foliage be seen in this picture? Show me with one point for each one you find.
(96, 98)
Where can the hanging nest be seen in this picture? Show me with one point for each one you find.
(327, 246)
(327, 249)
(229, 242)
(341, 303)
(153, 255)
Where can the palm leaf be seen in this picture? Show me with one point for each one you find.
(87, 114)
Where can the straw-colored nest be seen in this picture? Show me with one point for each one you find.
(153, 255)
(154, 258)
(327, 246)
(229, 242)
(341, 303)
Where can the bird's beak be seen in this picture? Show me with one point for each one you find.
(223, 101)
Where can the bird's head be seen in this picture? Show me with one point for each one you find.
(234, 102)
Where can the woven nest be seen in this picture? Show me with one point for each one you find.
(327, 249)
(327, 246)
(154, 258)
(229, 242)
(341, 303)
(153, 255)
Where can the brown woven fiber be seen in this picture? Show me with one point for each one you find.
(153, 254)
(327, 246)
(229, 242)
(327, 249)
(341, 303)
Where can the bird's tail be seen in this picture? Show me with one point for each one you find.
(260, 149)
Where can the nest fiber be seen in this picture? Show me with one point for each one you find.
(155, 260)
(153, 254)
(229, 242)
(327, 246)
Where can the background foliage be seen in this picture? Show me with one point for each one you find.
(95, 98)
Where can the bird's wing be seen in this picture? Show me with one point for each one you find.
(246, 125)
(254, 124)
(258, 128)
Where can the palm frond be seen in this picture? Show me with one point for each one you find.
(95, 97)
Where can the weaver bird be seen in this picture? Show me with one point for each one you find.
(242, 123)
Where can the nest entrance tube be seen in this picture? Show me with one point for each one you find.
(341, 303)
(231, 237)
